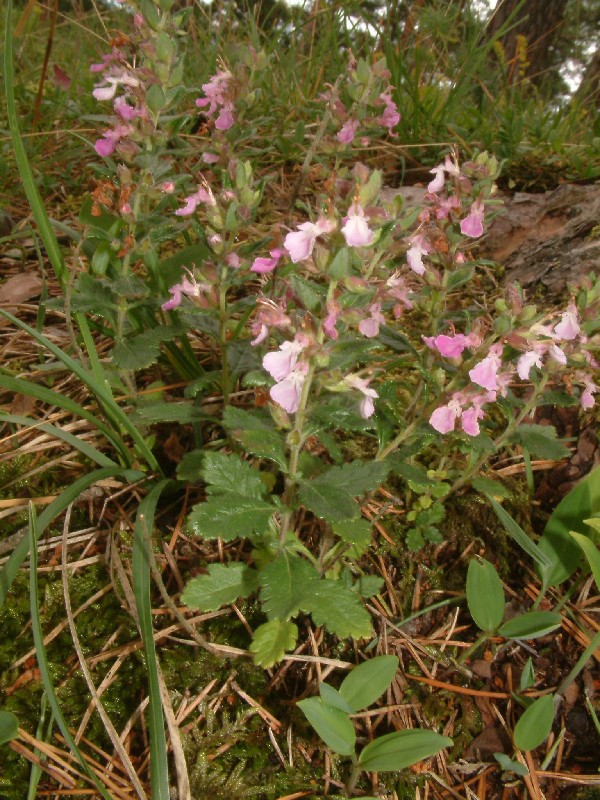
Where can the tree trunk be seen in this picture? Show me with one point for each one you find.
(533, 27)
(588, 93)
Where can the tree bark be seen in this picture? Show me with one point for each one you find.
(533, 28)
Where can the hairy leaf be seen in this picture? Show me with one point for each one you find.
(328, 501)
(286, 584)
(223, 585)
(541, 441)
(357, 477)
(271, 641)
(227, 473)
(228, 516)
(339, 609)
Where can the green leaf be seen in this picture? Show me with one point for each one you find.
(541, 441)
(339, 264)
(264, 444)
(402, 749)
(286, 583)
(591, 552)
(223, 585)
(328, 501)
(339, 609)
(135, 353)
(227, 473)
(491, 487)
(527, 679)
(531, 625)
(368, 681)
(536, 723)
(228, 516)
(517, 533)
(9, 727)
(508, 765)
(368, 585)
(333, 698)
(190, 466)
(357, 532)
(271, 641)
(563, 552)
(485, 595)
(356, 478)
(332, 725)
(181, 411)
(309, 293)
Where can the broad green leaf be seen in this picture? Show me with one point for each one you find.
(237, 419)
(541, 441)
(309, 293)
(9, 726)
(333, 698)
(286, 584)
(402, 749)
(223, 585)
(264, 444)
(357, 532)
(227, 473)
(368, 585)
(181, 411)
(368, 681)
(509, 765)
(332, 725)
(517, 533)
(137, 352)
(536, 723)
(272, 640)
(357, 477)
(564, 554)
(190, 466)
(531, 625)
(491, 487)
(339, 609)
(328, 501)
(591, 552)
(228, 516)
(485, 595)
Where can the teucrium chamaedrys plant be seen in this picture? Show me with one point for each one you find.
(354, 321)
(330, 715)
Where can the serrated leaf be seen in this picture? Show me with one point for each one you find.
(357, 477)
(541, 441)
(227, 473)
(590, 550)
(309, 293)
(285, 585)
(536, 723)
(264, 444)
(223, 585)
(339, 609)
(190, 465)
(368, 585)
(333, 698)
(332, 725)
(491, 487)
(238, 419)
(531, 625)
(137, 352)
(485, 595)
(9, 727)
(328, 501)
(368, 681)
(357, 532)
(272, 640)
(228, 516)
(402, 749)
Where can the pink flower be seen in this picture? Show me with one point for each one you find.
(356, 231)
(263, 265)
(568, 328)
(439, 181)
(390, 117)
(472, 224)
(533, 358)
(485, 372)
(124, 110)
(470, 420)
(444, 418)
(587, 399)
(369, 327)
(202, 195)
(218, 97)
(300, 243)
(225, 119)
(367, 407)
(348, 131)
(107, 92)
(270, 314)
(168, 187)
(106, 146)
(233, 260)
(288, 392)
(396, 289)
(449, 346)
(280, 363)
(210, 158)
(414, 256)
(333, 311)
(189, 287)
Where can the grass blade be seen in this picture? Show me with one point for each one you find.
(114, 413)
(516, 532)
(33, 196)
(159, 771)
(42, 658)
(56, 507)
(53, 430)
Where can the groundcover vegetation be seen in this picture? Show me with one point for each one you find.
(274, 430)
